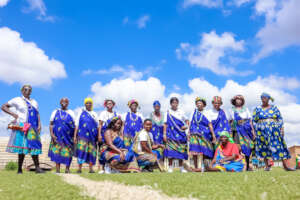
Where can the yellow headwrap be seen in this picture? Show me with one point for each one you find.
(88, 99)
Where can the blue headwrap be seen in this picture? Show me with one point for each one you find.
(156, 103)
(266, 95)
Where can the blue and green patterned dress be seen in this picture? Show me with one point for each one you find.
(270, 143)
(61, 151)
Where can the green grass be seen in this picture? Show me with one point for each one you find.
(276, 184)
(31, 186)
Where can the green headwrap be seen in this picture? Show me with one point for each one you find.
(225, 133)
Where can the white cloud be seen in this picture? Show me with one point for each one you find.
(211, 49)
(24, 62)
(206, 3)
(125, 72)
(3, 3)
(146, 91)
(142, 21)
(239, 3)
(282, 28)
(40, 7)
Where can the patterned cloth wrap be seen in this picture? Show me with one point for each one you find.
(30, 143)
(221, 124)
(200, 136)
(86, 149)
(236, 165)
(61, 151)
(270, 143)
(176, 146)
(145, 159)
(133, 124)
(129, 164)
(244, 132)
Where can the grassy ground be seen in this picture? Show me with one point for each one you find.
(31, 186)
(276, 184)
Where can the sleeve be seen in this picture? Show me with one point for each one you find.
(35, 104)
(143, 137)
(165, 117)
(13, 102)
(123, 116)
(230, 115)
(249, 116)
(208, 115)
(184, 117)
(72, 114)
(52, 115)
(78, 118)
(101, 116)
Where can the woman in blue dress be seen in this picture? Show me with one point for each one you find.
(270, 143)
(242, 128)
(175, 136)
(62, 126)
(217, 117)
(201, 134)
(86, 136)
(157, 118)
(120, 158)
(26, 128)
(133, 122)
(104, 119)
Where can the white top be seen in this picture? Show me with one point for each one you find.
(70, 112)
(213, 114)
(137, 113)
(244, 114)
(204, 112)
(93, 114)
(179, 114)
(143, 138)
(105, 115)
(19, 103)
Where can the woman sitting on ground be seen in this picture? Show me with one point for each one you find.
(227, 156)
(147, 152)
(119, 158)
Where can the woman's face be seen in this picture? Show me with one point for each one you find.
(109, 105)
(134, 107)
(223, 140)
(217, 105)
(265, 100)
(26, 91)
(238, 102)
(157, 108)
(64, 103)
(89, 106)
(174, 105)
(118, 124)
(200, 105)
(148, 126)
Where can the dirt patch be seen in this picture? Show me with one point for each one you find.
(108, 190)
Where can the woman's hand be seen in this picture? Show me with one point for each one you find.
(75, 140)
(39, 129)
(15, 116)
(214, 140)
(254, 135)
(184, 128)
(54, 138)
(122, 156)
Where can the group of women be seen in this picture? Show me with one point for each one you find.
(129, 143)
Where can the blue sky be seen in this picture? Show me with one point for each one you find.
(98, 41)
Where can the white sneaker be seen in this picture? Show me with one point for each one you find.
(182, 170)
(101, 172)
(114, 171)
(107, 169)
(170, 170)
